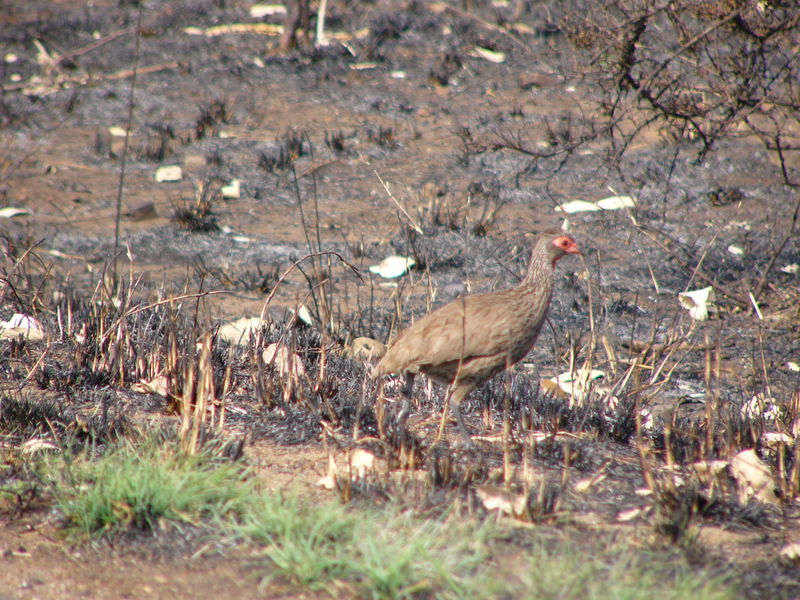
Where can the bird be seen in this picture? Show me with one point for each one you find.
(473, 338)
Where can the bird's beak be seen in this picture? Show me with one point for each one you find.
(573, 249)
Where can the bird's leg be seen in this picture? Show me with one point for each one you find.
(445, 411)
(458, 395)
(379, 406)
(405, 408)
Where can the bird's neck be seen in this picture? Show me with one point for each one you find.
(539, 273)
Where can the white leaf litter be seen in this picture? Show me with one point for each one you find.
(494, 497)
(157, 385)
(258, 11)
(36, 445)
(232, 190)
(303, 314)
(698, 302)
(238, 331)
(630, 515)
(366, 348)
(753, 478)
(776, 438)
(791, 551)
(169, 173)
(761, 408)
(577, 384)
(13, 211)
(392, 267)
(358, 464)
(23, 325)
(486, 54)
(287, 362)
(791, 269)
(610, 203)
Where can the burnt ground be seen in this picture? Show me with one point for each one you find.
(399, 96)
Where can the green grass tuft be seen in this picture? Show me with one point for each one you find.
(141, 487)
(363, 552)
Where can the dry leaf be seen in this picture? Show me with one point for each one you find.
(157, 385)
(630, 515)
(232, 190)
(583, 485)
(616, 202)
(576, 386)
(239, 331)
(259, 11)
(791, 551)
(283, 359)
(698, 302)
(494, 497)
(36, 445)
(23, 325)
(392, 267)
(486, 54)
(12, 211)
(366, 348)
(169, 173)
(577, 206)
(753, 478)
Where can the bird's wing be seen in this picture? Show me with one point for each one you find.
(449, 335)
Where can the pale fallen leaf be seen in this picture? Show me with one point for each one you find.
(616, 202)
(329, 480)
(13, 211)
(776, 438)
(630, 514)
(37, 445)
(791, 551)
(761, 408)
(283, 359)
(361, 462)
(584, 485)
(392, 267)
(791, 269)
(610, 203)
(577, 206)
(698, 302)
(576, 385)
(232, 190)
(23, 325)
(303, 314)
(753, 478)
(169, 173)
(363, 66)
(486, 54)
(117, 131)
(238, 331)
(254, 28)
(357, 465)
(366, 348)
(494, 497)
(258, 11)
(157, 385)
(793, 366)
(736, 250)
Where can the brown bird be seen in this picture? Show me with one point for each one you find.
(472, 338)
